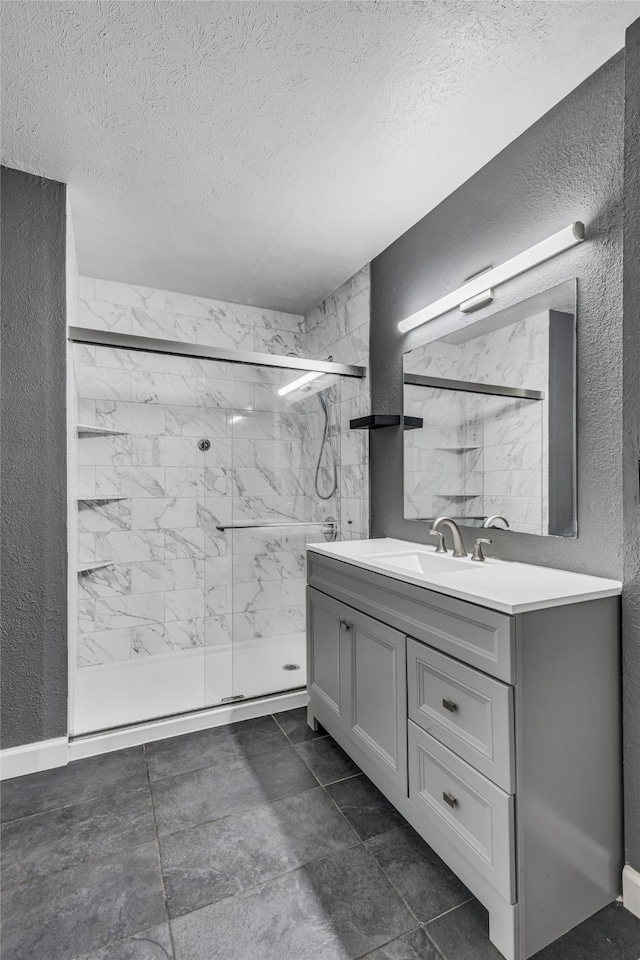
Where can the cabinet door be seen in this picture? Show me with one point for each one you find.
(377, 700)
(326, 664)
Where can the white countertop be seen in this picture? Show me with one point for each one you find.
(498, 584)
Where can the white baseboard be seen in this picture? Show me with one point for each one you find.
(631, 890)
(32, 757)
(93, 744)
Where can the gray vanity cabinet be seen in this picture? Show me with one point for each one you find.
(497, 737)
(326, 663)
(357, 670)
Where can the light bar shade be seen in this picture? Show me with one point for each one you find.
(300, 382)
(542, 251)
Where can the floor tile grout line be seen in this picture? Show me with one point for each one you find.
(435, 945)
(440, 952)
(261, 883)
(341, 812)
(393, 886)
(237, 813)
(148, 779)
(208, 766)
(80, 863)
(358, 842)
(157, 840)
(295, 743)
(76, 803)
(73, 803)
(351, 776)
(363, 842)
(130, 936)
(83, 863)
(381, 834)
(421, 923)
(330, 782)
(159, 855)
(445, 912)
(400, 936)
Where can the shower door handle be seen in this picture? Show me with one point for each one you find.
(285, 523)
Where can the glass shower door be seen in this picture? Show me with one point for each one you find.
(199, 484)
(143, 534)
(278, 432)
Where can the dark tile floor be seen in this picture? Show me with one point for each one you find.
(257, 841)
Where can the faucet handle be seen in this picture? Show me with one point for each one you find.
(441, 548)
(477, 550)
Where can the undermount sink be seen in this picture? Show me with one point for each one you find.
(417, 561)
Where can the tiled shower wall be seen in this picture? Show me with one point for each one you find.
(481, 455)
(339, 328)
(124, 308)
(176, 583)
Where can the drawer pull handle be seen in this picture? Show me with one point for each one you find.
(449, 705)
(449, 799)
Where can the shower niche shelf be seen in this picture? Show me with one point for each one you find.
(88, 430)
(96, 565)
(96, 498)
(459, 449)
(377, 420)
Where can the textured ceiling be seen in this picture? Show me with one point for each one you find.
(262, 152)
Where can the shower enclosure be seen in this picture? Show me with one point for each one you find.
(200, 475)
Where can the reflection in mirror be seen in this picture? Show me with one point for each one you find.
(498, 403)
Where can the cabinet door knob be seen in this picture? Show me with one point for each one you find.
(448, 798)
(449, 705)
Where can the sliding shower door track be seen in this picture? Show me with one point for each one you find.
(128, 341)
(186, 715)
(175, 725)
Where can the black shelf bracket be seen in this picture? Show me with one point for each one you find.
(377, 420)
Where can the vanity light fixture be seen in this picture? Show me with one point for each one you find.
(300, 382)
(535, 255)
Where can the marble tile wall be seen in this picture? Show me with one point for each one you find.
(173, 581)
(145, 312)
(490, 453)
(339, 327)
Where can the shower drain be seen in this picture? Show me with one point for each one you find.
(291, 666)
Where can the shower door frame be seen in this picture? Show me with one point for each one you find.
(103, 338)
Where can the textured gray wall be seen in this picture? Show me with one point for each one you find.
(631, 433)
(33, 460)
(568, 166)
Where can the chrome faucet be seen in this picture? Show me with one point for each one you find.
(489, 522)
(458, 542)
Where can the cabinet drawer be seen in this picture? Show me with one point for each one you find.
(470, 713)
(470, 811)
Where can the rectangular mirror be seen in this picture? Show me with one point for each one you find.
(497, 403)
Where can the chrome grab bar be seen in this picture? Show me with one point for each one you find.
(286, 523)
